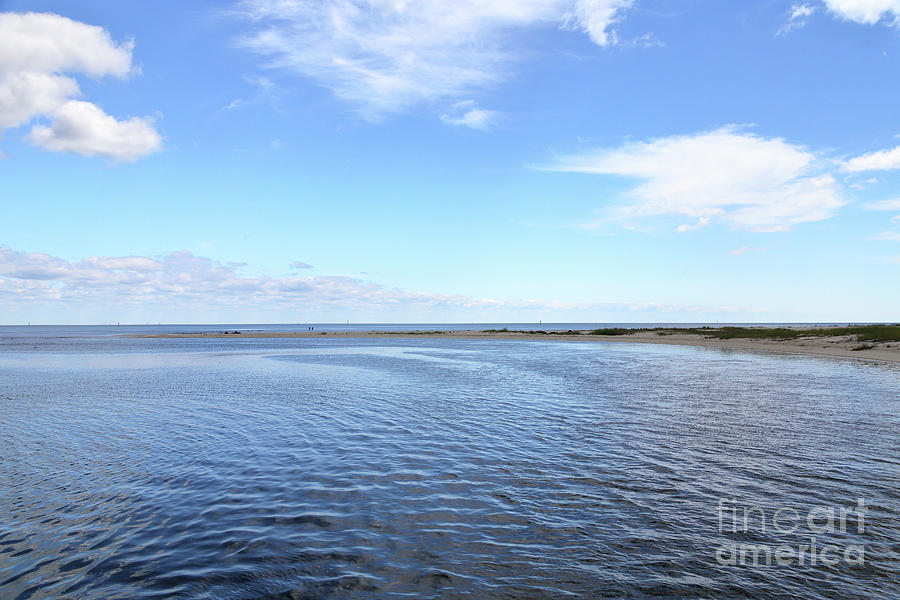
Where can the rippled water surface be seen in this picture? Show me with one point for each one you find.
(426, 468)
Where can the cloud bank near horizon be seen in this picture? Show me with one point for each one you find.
(200, 284)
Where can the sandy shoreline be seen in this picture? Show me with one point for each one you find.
(837, 346)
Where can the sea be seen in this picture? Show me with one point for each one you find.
(418, 467)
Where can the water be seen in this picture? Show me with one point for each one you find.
(70, 331)
(426, 468)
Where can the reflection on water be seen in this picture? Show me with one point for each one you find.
(307, 468)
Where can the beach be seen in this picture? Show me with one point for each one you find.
(842, 346)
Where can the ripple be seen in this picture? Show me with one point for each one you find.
(434, 469)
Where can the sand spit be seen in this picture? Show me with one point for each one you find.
(846, 346)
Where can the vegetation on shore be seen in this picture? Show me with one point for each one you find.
(534, 331)
(862, 333)
(435, 332)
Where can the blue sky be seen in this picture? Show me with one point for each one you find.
(561, 160)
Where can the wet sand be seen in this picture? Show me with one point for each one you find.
(836, 346)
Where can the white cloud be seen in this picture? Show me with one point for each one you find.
(880, 260)
(867, 12)
(264, 90)
(863, 184)
(182, 275)
(798, 17)
(801, 11)
(35, 50)
(50, 43)
(646, 40)
(740, 179)
(298, 265)
(882, 160)
(746, 249)
(893, 204)
(83, 128)
(700, 224)
(197, 283)
(467, 114)
(385, 56)
(25, 94)
(594, 17)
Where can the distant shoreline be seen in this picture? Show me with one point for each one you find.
(839, 346)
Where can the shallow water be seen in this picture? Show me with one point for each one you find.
(425, 468)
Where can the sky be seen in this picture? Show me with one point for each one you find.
(292, 161)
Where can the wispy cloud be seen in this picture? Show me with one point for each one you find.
(595, 17)
(35, 51)
(886, 205)
(863, 184)
(881, 160)
(729, 176)
(263, 90)
(467, 114)
(886, 235)
(385, 56)
(700, 224)
(798, 17)
(893, 204)
(880, 260)
(865, 12)
(646, 40)
(747, 249)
